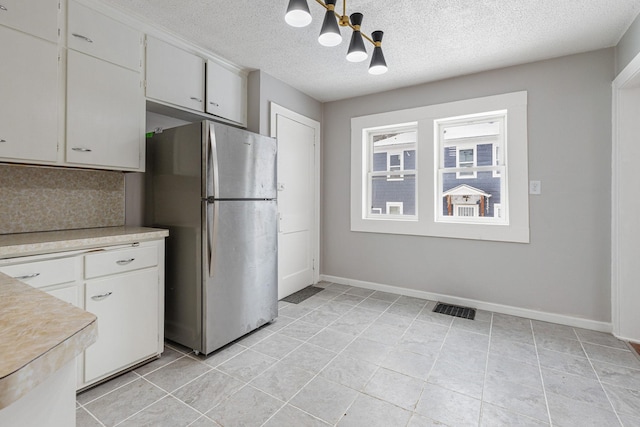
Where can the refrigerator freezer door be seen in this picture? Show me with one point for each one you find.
(242, 164)
(242, 294)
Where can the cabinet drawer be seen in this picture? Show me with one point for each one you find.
(39, 18)
(43, 273)
(100, 36)
(119, 261)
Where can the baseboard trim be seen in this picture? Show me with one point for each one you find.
(544, 316)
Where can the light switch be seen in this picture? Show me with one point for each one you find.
(534, 187)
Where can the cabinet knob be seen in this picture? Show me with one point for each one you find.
(125, 261)
(27, 276)
(81, 149)
(3, 8)
(3, 140)
(81, 37)
(101, 297)
(196, 99)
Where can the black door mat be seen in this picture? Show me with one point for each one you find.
(455, 310)
(301, 295)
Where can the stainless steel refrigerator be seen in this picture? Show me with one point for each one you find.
(214, 188)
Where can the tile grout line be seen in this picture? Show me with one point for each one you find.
(486, 371)
(598, 377)
(108, 392)
(544, 389)
(333, 358)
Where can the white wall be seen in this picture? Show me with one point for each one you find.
(629, 46)
(566, 267)
(263, 89)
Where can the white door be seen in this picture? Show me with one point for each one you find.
(625, 232)
(297, 200)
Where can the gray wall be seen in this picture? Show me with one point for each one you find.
(629, 46)
(565, 269)
(263, 89)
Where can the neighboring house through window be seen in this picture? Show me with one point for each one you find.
(391, 180)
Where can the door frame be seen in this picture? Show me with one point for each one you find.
(275, 111)
(623, 134)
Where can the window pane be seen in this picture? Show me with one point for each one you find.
(466, 155)
(470, 185)
(391, 178)
(387, 195)
(475, 197)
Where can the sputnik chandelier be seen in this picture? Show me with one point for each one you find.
(298, 15)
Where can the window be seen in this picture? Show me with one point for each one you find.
(391, 176)
(394, 208)
(471, 183)
(456, 170)
(395, 163)
(466, 159)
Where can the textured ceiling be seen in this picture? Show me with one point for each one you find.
(424, 40)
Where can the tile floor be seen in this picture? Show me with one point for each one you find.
(354, 357)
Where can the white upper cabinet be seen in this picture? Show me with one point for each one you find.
(29, 95)
(105, 114)
(39, 18)
(98, 35)
(174, 75)
(105, 97)
(226, 93)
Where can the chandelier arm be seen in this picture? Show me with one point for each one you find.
(344, 11)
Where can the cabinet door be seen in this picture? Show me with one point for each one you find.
(105, 107)
(174, 75)
(127, 309)
(39, 18)
(226, 93)
(29, 94)
(67, 293)
(98, 35)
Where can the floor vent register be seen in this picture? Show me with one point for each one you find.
(455, 310)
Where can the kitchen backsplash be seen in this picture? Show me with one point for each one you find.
(46, 199)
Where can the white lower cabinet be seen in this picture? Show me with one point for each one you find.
(127, 309)
(122, 285)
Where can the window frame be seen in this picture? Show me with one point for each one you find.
(425, 224)
(368, 150)
(441, 144)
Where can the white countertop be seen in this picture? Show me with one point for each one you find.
(23, 244)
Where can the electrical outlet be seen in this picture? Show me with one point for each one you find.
(534, 187)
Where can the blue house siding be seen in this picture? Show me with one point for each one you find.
(403, 191)
(484, 181)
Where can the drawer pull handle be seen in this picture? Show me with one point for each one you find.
(196, 99)
(28, 276)
(125, 261)
(3, 8)
(101, 297)
(80, 36)
(82, 150)
(215, 104)
(3, 140)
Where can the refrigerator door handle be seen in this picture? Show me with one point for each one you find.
(212, 234)
(212, 170)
